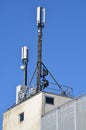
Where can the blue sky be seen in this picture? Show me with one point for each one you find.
(64, 44)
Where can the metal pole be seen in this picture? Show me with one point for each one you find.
(24, 58)
(25, 75)
(39, 61)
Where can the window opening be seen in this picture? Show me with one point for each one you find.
(21, 117)
(49, 100)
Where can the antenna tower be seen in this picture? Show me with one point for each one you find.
(40, 25)
(41, 70)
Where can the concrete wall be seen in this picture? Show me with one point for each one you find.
(58, 100)
(33, 109)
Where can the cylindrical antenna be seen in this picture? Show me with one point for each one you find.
(24, 57)
(40, 25)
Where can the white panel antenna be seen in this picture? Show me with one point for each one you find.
(40, 16)
(43, 12)
(24, 55)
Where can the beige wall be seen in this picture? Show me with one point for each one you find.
(33, 108)
(58, 100)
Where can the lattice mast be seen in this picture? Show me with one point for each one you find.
(40, 25)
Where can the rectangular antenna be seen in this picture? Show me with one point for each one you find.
(43, 12)
(40, 16)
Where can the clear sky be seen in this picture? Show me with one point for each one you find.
(64, 44)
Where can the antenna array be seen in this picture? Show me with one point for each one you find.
(41, 70)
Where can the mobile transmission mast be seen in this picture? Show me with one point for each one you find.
(21, 90)
(40, 25)
(24, 58)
